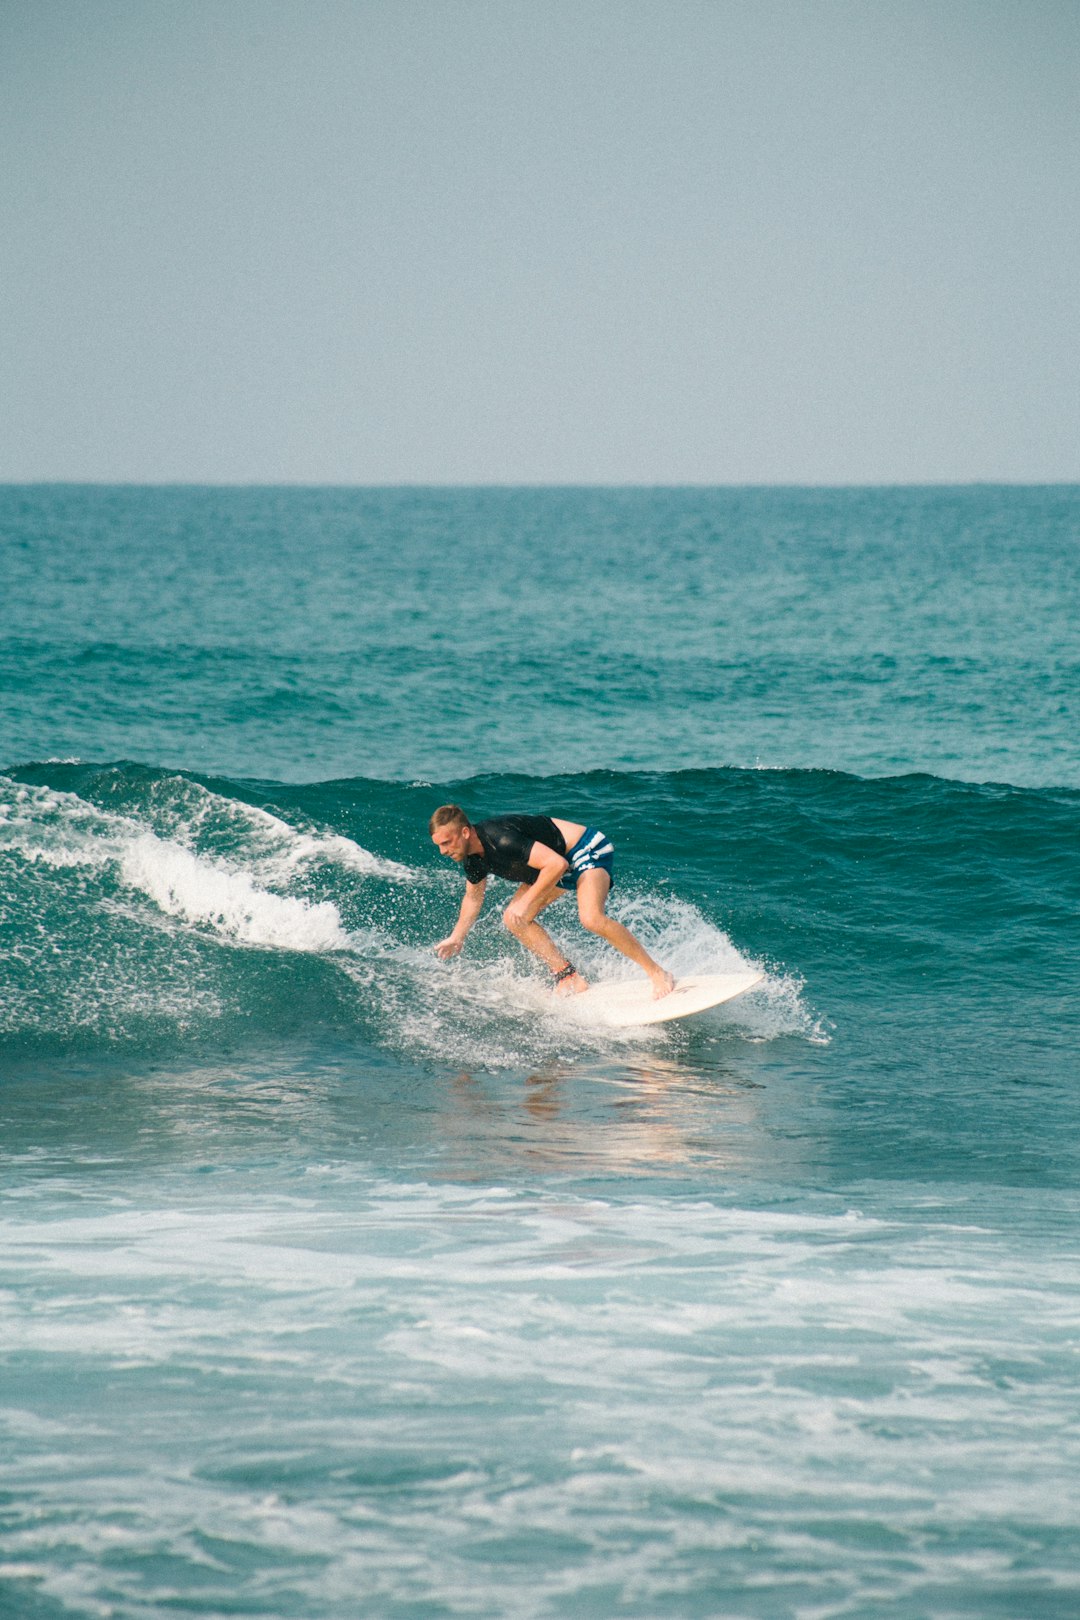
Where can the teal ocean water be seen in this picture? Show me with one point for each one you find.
(337, 1281)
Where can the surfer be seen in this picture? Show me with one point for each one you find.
(547, 858)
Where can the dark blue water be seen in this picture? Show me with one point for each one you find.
(338, 1281)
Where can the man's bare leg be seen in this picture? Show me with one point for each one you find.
(592, 893)
(539, 941)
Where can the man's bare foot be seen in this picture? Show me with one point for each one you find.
(662, 982)
(572, 985)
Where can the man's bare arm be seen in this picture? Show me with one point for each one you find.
(471, 905)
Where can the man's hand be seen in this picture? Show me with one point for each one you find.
(517, 913)
(448, 947)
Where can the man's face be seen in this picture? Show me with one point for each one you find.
(452, 840)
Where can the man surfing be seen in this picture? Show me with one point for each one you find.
(547, 858)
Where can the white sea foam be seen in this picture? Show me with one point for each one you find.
(57, 829)
(666, 1377)
(188, 812)
(200, 891)
(271, 846)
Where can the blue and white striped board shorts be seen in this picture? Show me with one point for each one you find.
(593, 849)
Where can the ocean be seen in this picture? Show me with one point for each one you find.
(337, 1281)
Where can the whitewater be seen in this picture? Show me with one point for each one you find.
(339, 1281)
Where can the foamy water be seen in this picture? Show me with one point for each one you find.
(378, 1383)
(338, 1281)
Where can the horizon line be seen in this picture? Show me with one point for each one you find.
(538, 484)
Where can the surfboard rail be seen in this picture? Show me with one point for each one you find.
(627, 1002)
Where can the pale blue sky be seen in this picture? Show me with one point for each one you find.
(625, 241)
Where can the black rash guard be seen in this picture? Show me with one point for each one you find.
(507, 842)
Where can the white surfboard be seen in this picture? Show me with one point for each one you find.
(631, 1001)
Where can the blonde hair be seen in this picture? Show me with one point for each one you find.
(447, 815)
